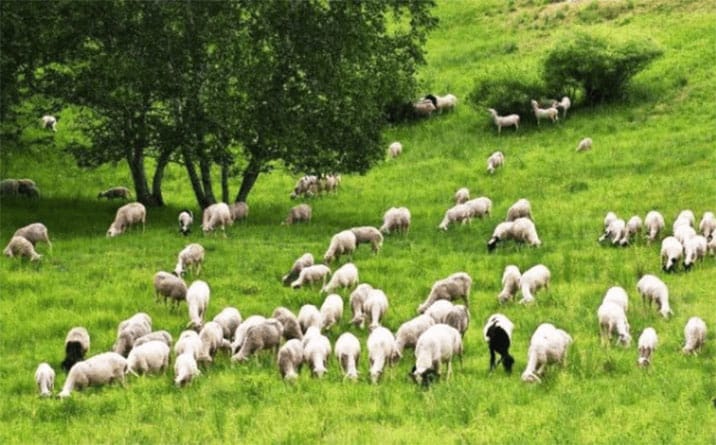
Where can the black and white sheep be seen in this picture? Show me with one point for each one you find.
(671, 252)
(115, 192)
(169, 286)
(498, 335)
(299, 213)
(443, 103)
(647, 343)
(185, 219)
(522, 230)
(289, 359)
(496, 159)
(651, 289)
(191, 257)
(312, 274)
(504, 121)
(34, 233)
(216, 216)
(147, 358)
(266, 335)
(345, 277)
(533, 279)
(409, 332)
(451, 288)
(694, 335)
(510, 283)
(77, 343)
(49, 121)
(21, 247)
(304, 260)
(331, 311)
(547, 345)
(197, 300)
(382, 352)
(347, 352)
(368, 235)
(396, 219)
(342, 243)
(126, 216)
(130, 330)
(45, 379)
(100, 369)
(435, 348)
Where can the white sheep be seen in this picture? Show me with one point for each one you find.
(510, 283)
(694, 249)
(647, 343)
(409, 332)
(331, 311)
(307, 185)
(229, 319)
(316, 349)
(357, 300)
(504, 121)
(127, 215)
(707, 226)
(368, 234)
(34, 233)
(547, 345)
(215, 216)
(299, 213)
(191, 257)
(462, 195)
(149, 357)
(609, 218)
(396, 219)
(189, 342)
(185, 219)
(309, 316)
(533, 279)
(115, 192)
(633, 227)
(440, 310)
(565, 104)
(240, 333)
(49, 122)
(185, 368)
(585, 144)
(615, 232)
(382, 352)
(520, 209)
(290, 323)
(21, 247)
(651, 289)
(290, 359)
(342, 243)
(77, 343)
(45, 379)
(395, 149)
(496, 159)
(345, 276)
(695, 335)
(347, 352)
(618, 296)
(312, 274)
(100, 369)
(304, 260)
(330, 183)
(443, 103)
(479, 207)
(683, 232)
(130, 330)
(423, 108)
(685, 217)
(459, 318)
(653, 224)
(435, 348)
(450, 288)
(168, 286)
(212, 339)
(550, 113)
(521, 230)
(375, 306)
(197, 300)
(458, 213)
(671, 252)
(162, 336)
(239, 210)
(613, 318)
(266, 335)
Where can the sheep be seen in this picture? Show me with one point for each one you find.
(520, 209)
(510, 283)
(169, 285)
(115, 192)
(381, 352)
(45, 379)
(189, 341)
(618, 296)
(240, 333)
(459, 318)
(342, 243)
(396, 219)
(612, 317)
(547, 345)
(304, 260)
(27, 187)
(346, 277)
(694, 250)
(127, 215)
(291, 326)
(375, 306)
(239, 210)
(409, 332)
(34, 233)
(290, 359)
(631, 229)
(462, 195)
(671, 252)
(646, 345)
(495, 160)
(443, 103)
(450, 288)
(347, 351)
(615, 232)
(331, 311)
(479, 207)
(77, 343)
(458, 213)
(308, 316)
(504, 121)
(49, 121)
(435, 347)
(130, 330)
(97, 370)
(162, 336)
(707, 226)
(609, 218)
(357, 300)
(266, 335)
(330, 183)
(197, 300)
(653, 224)
(423, 108)
(695, 335)
(498, 335)
(533, 279)
(440, 310)
(711, 247)
(9, 187)
(395, 149)
(306, 186)
(149, 357)
(316, 349)
(684, 218)
(186, 219)
(229, 319)
(299, 213)
(585, 144)
(564, 104)
(191, 257)
(20, 247)
(215, 216)
(311, 274)
(368, 234)
(550, 113)
(185, 368)
(651, 289)
(684, 232)
(521, 230)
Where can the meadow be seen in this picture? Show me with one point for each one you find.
(655, 150)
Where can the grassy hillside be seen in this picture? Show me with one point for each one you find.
(656, 150)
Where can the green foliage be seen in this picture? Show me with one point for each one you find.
(507, 89)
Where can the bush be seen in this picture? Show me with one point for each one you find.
(599, 67)
(508, 90)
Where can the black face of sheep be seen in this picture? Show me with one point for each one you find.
(492, 244)
(427, 378)
(74, 354)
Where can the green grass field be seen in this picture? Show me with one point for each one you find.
(656, 150)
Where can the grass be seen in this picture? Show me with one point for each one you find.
(654, 151)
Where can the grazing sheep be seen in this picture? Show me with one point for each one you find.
(479, 207)
(651, 289)
(239, 210)
(308, 316)
(299, 213)
(306, 186)
(342, 243)
(510, 283)
(229, 319)
(443, 103)
(547, 345)
(45, 379)
(34, 233)
(149, 357)
(169, 285)
(647, 344)
(49, 122)
(615, 232)
(520, 209)
(345, 276)
(162, 336)
(550, 113)
(240, 334)
(130, 330)
(197, 300)
(357, 300)
(459, 318)
(694, 249)
(347, 351)
(707, 226)
(424, 108)
(368, 234)
(21, 247)
(435, 347)
(185, 368)
(186, 219)
(671, 252)
(458, 213)
(585, 144)
(653, 223)
(684, 232)
(290, 359)
(189, 341)
(375, 306)
(565, 104)
(215, 216)
(440, 310)
(316, 349)
(685, 218)
(396, 219)
(127, 215)
(381, 352)
(533, 279)
(115, 192)
(395, 149)
(289, 321)
(451, 288)
(618, 296)
(609, 218)
(9, 187)
(495, 160)
(462, 195)
(190, 257)
(27, 187)
(312, 274)
(613, 318)
(504, 121)
(521, 230)
(409, 332)
(498, 335)
(304, 260)
(695, 335)
(266, 335)
(331, 311)
(100, 369)
(77, 343)
(633, 227)
(330, 183)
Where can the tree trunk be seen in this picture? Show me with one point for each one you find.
(162, 162)
(194, 178)
(225, 181)
(205, 166)
(136, 167)
(251, 173)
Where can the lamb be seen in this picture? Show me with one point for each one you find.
(533, 279)
(346, 277)
(694, 250)
(229, 319)
(376, 305)
(266, 335)
(212, 339)
(423, 108)
(504, 121)
(100, 369)
(77, 343)
(186, 219)
(291, 326)
(395, 149)
(347, 351)
(647, 344)
(49, 122)
(547, 345)
(440, 310)
(168, 286)
(190, 257)
(695, 335)
(458, 213)
(149, 357)
(127, 215)
(521, 230)
(495, 160)
(215, 216)
(34, 233)
(311, 274)
(443, 103)
(240, 334)
(615, 232)
(342, 243)
(451, 288)
(479, 207)
(308, 316)
(564, 104)
(290, 359)
(520, 209)
(435, 347)
(21, 247)
(45, 379)
(299, 213)
(612, 317)
(115, 192)
(585, 144)
(381, 352)
(357, 300)
(368, 234)
(409, 332)
(197, 300)
(396, 219)
(550, 113)
(498, 335)
(162, 336)
(304, 260)
(316, 349)
(510, 283)
(618, 296)
(653, 224)
(185, 368)
(239, 210)
(189, 342)
(707, 226)
(130, 330)
(331, 311)
(462, 195)
(459, 318)
(671, 252)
